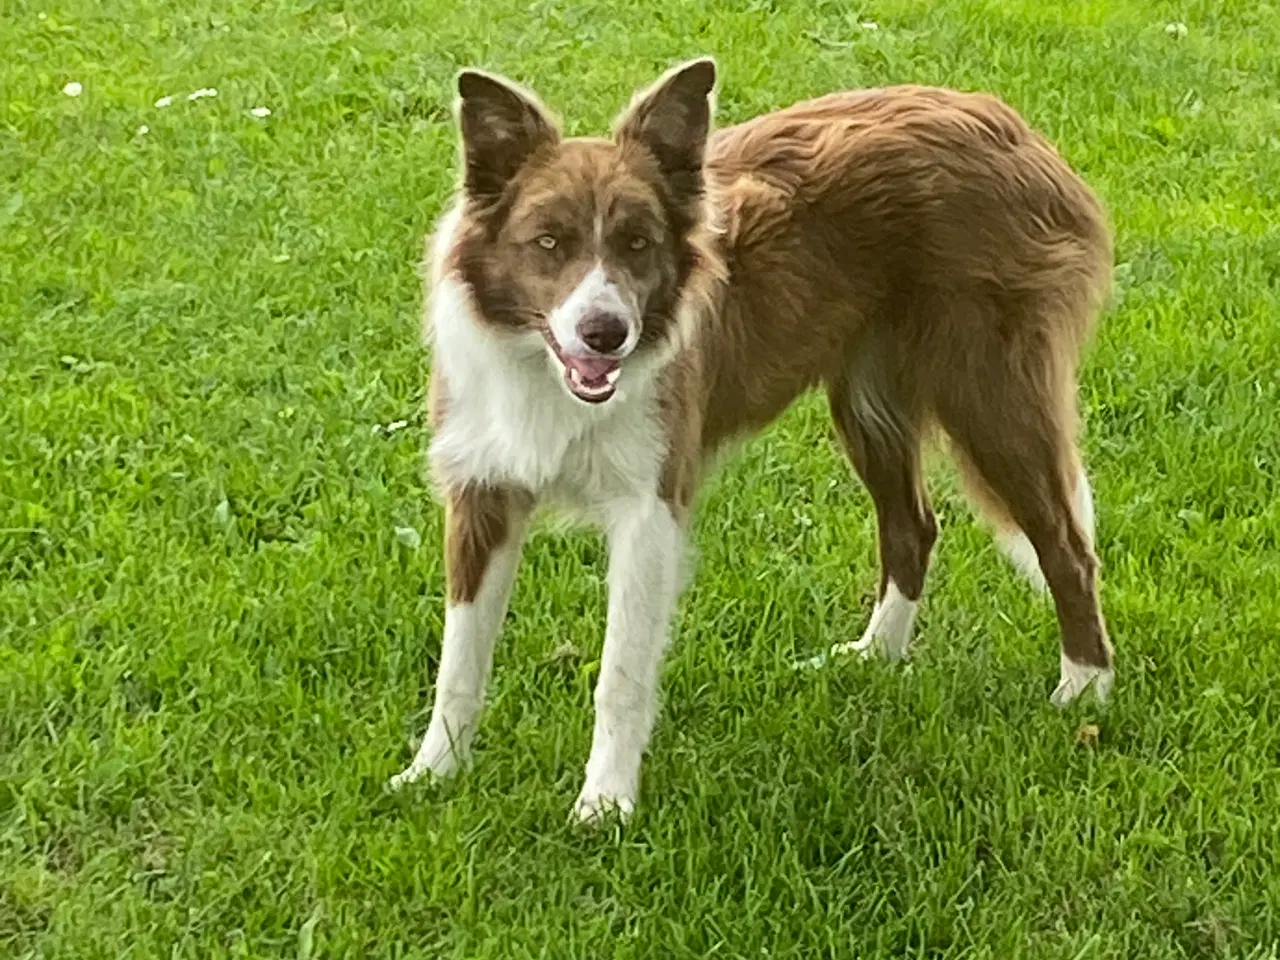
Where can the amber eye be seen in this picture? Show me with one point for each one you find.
(547, 242)
(637, 243)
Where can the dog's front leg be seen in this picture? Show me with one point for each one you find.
(484, 532)
(646, 548)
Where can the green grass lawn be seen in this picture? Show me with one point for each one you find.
(215, 649)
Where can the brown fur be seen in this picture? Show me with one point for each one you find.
(928, 259)
(919, 253)
(478, 520)
(638, 186)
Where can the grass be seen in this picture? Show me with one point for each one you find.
(214, 649)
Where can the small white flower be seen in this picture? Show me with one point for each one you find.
(261, 112)
(73, 89)
(164, 102)
(869, 25)
(144, 130)
(815, 662)
(409, 537)
(396, 425)
(1176, 29)
(222, 513)
(202, 93)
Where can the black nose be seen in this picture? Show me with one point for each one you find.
(603, 332)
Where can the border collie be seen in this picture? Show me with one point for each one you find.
(607, 314)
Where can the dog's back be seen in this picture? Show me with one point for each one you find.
(908, 226)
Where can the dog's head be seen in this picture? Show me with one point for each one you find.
(584, 245)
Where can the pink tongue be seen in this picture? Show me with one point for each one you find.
(591, 368)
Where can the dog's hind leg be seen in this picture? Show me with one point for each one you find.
(881, 435)
(1010, 411)
(1010, 539)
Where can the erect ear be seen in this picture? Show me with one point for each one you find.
(502, 127)
(672, 120)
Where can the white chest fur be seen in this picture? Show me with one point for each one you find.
(507, 418)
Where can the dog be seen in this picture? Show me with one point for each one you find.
(605, 315)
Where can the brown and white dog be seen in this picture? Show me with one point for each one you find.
(606, 314)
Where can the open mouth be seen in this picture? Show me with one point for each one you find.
(590, 379)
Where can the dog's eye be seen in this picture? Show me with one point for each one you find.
(547, 242)
(637, 243)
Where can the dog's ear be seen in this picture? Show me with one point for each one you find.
(502, 127)
(672, 120)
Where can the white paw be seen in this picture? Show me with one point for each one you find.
(866, 648)
(1075, 678)
(869, 647)
(438, 757)
(835, 651)
(889, 633)
(611, 786)
(594, 806)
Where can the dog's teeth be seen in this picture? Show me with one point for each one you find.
(575, 376)
(612, 376)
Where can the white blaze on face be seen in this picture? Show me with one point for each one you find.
(595, 294)
(589, 376)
